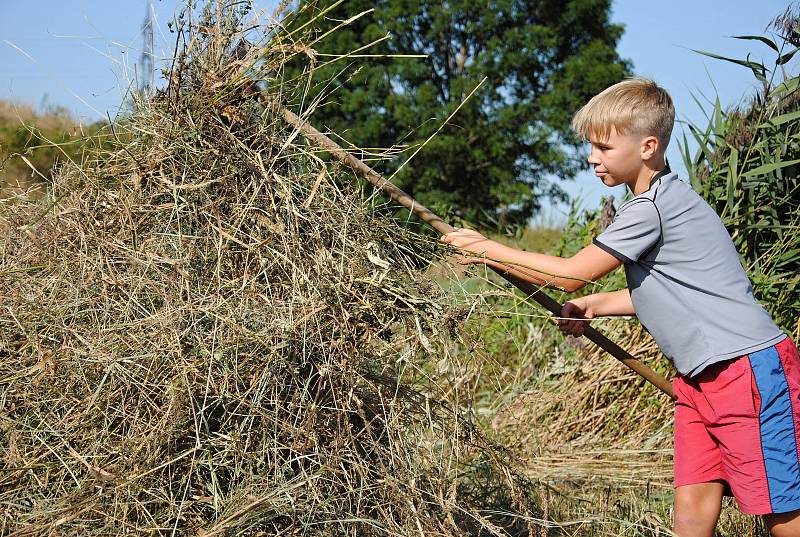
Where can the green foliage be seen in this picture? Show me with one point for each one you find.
(746, 167)
(581, 228)
(493, 160)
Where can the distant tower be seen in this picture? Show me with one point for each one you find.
(146, 61)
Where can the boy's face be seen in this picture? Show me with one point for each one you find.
(617, 159)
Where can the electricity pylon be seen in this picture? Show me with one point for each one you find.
(146, 74)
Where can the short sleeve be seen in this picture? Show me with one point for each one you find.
(635, 230)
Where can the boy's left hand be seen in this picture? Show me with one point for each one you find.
(470, 242)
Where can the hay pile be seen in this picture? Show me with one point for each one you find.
(206, 331)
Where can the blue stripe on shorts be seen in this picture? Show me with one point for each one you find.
(778, 436)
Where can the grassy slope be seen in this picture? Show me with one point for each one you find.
(43, 139)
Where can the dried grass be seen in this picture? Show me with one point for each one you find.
(206, 331)
(598, 401)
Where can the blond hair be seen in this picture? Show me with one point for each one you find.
(637, 106)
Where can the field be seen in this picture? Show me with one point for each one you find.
(213, 328)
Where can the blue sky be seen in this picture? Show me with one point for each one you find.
(81, 54)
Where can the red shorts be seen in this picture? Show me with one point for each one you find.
(739, 421)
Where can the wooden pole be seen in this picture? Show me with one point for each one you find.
(443, 227)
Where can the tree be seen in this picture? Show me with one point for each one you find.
(499, 155)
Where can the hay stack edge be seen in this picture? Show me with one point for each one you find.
(206, 329)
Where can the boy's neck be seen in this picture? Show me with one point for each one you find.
(648, 170)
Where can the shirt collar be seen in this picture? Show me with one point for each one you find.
(659, 175)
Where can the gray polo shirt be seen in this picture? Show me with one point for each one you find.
(687, 284)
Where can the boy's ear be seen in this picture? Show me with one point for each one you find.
(650, 147)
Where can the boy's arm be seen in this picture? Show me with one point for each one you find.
(576, 313)
(569, 274)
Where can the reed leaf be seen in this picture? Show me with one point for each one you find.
(758, 69)
(770, 167)
(767, 41)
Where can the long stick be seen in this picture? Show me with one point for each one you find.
(443, 227)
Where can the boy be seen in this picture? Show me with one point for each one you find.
(737, 413)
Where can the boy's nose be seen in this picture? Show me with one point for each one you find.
(593, 158)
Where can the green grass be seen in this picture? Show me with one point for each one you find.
(545, 240)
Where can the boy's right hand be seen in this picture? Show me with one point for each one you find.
(469, 242)
(575, 315)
